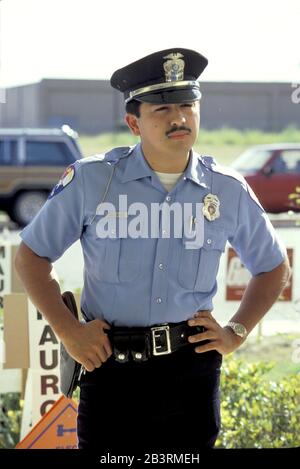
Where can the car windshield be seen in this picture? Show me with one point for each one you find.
(251, 160)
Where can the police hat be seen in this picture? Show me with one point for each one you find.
(167, 76)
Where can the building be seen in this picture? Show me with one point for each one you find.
(93, 107)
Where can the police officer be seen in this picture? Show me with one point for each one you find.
(151, 345)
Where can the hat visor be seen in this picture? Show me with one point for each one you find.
(186, 95)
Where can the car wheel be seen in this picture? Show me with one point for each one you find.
(26, 206)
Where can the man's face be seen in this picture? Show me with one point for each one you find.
(167, 127)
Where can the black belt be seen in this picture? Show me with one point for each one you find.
(140, 344)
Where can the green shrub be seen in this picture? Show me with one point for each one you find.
(10, 419)
(257, 413)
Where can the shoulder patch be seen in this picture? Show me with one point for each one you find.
(64, 181)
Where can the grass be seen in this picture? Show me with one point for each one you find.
(224, 144)
(277, 348)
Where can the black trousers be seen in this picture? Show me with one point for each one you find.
(168, 402)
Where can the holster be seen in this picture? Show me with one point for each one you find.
(70, 369)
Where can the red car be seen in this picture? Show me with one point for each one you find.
(273, 172)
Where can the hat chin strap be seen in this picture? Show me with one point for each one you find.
(188, 84)
(171, 97)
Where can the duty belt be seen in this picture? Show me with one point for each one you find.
(140, 344)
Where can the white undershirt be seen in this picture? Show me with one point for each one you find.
(168, 180)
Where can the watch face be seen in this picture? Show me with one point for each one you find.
(240, 330)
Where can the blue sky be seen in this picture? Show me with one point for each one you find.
(255, 40)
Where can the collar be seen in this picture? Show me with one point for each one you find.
(195, 172)
(138, 168)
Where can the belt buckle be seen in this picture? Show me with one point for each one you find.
(154, 331)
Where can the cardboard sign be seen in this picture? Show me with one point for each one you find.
(56, 430)
(9, 280)
(15, 321)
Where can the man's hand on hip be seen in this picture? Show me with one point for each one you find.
(88, 343)
(220, 338)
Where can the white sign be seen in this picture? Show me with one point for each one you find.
(5, 270)
(42, 387)
(284, 315)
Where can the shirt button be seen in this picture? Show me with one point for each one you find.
(158, 300)
(161, 266)
(208, 241)
(168, 198)
(184, 178)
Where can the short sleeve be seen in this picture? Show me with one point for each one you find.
(255, 240)
(59, 223)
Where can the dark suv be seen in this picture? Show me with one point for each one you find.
(31, 163)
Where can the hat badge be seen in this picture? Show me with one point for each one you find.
(174, 67)
(211, 207)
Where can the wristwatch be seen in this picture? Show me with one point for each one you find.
(238, 329)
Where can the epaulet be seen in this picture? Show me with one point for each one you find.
(210, 163)
(112, 157)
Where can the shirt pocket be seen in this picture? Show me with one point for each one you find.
(121, 260)
(117, 259)
(198, 267)
(130, 259)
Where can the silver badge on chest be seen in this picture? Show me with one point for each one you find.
(211, 207)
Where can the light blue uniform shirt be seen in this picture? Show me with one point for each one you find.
(146, 281)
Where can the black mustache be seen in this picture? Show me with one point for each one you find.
(177, 129)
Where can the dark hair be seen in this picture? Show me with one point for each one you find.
(133, 107)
